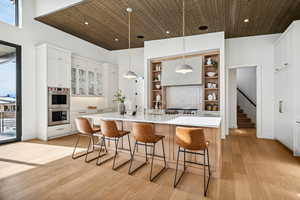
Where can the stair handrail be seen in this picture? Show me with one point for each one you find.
(239, 90)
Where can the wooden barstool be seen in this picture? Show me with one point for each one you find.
(85, 130)
(110, 132)
(144, 135)
(192, 139)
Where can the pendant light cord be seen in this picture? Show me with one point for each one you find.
(129, 28)
(183, 29)
(129, 36)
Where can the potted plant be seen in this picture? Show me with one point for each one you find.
(120, 98)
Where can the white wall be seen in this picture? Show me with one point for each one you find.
(129, 86)
(31, 34)
(253, 51)
(47, 6)
(196, 43)
(246, 81)
(232, 104)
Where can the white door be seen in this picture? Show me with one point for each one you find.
(297, 139)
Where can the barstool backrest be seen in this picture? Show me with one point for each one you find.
(83, 126)
(191, 138)
(109, 128)
(143, 132)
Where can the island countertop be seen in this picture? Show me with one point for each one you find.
(203, 120)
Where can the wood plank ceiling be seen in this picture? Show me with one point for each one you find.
(108, 19)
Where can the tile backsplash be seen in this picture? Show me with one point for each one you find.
(184, 97)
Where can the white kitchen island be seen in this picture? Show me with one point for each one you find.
(166, 125)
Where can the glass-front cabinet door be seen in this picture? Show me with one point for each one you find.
(82, 84)
(99, 83)
(74, 81)
(87, 78)
(91, 83)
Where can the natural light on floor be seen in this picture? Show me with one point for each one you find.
(22, 156)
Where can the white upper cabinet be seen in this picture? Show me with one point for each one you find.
(99, 80)
(87, 77)
(58, 67)
(282, 51)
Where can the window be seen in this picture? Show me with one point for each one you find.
(9, 11)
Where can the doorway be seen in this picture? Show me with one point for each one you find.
(10, 93)
(244, 98)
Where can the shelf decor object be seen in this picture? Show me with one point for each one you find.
(120, 98)
(183, 68)
(157, 91)
(211, 92)
(130, 74)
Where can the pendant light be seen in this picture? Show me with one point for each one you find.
(130, 74)
(183, 68)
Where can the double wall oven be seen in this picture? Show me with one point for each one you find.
(58, 106)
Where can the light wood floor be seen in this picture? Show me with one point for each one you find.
(252, 169)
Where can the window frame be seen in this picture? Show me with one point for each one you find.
(16, 13)
(18, 92)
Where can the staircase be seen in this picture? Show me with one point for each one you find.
(242, 120)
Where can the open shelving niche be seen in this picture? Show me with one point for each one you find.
(154, 74)
(211, 105)
(154, 71)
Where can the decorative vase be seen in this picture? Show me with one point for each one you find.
(121, 108)
(209, 61)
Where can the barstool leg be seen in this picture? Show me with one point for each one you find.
(160, 172)
(84, 154)
(209, 173)
(146, 152)
(73, 154)
(129, 146)
(163, 148)
(153, 153)
(116, 153)
(99, 162)
(93, 149)
(176, 171)
(130, 172)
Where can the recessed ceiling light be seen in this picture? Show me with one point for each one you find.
(203, 28)
(246, 20)
(140, 36)
(86, 23)
(116, 39)
(168, 32)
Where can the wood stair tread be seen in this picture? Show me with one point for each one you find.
(243, 121)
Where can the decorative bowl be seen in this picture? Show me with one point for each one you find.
(211, 74)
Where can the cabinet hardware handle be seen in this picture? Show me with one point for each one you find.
(60, 129)
(280, 106)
